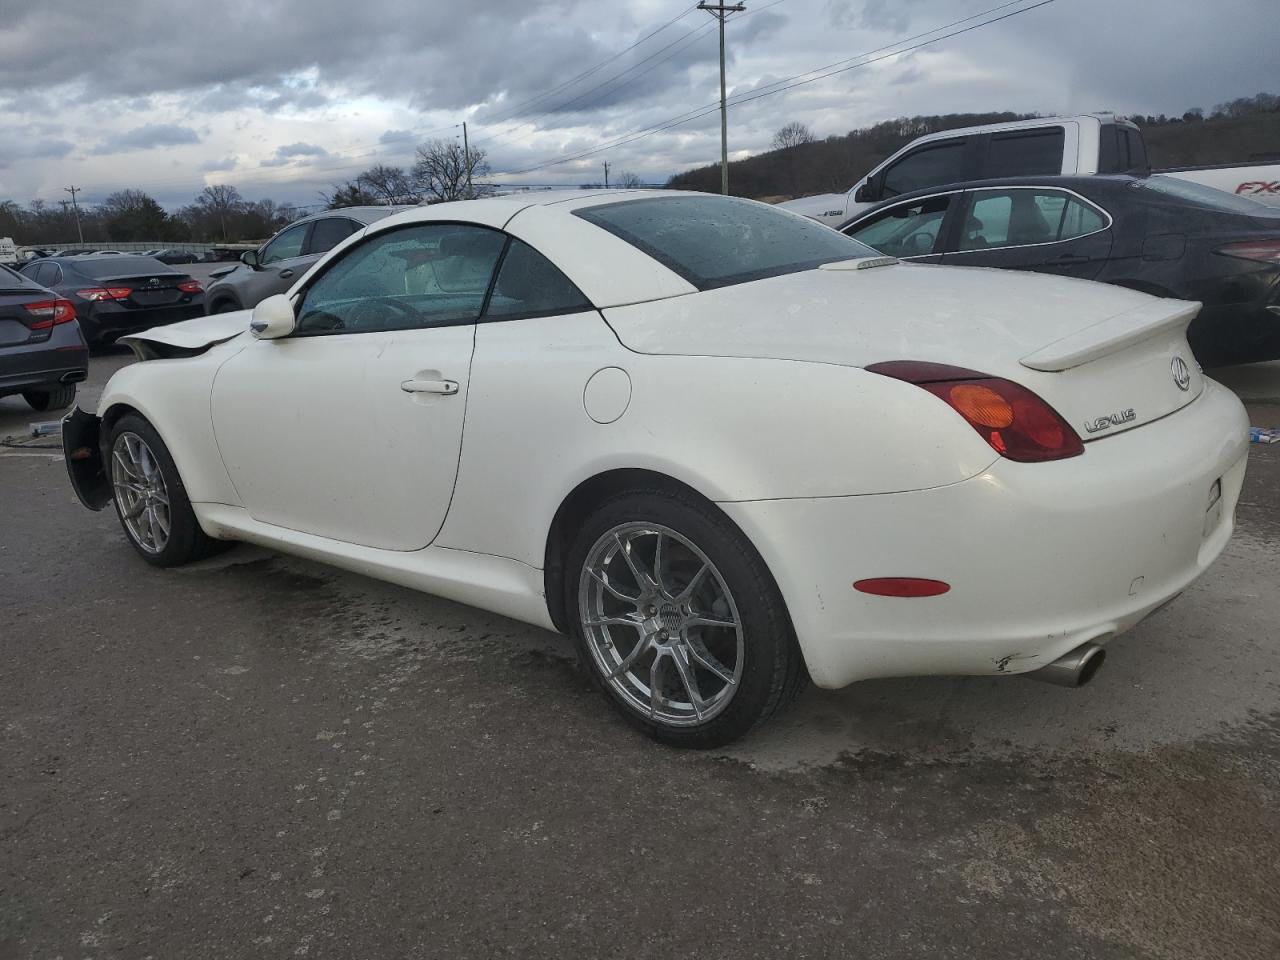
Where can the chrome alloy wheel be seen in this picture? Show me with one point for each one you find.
(140, 492)
(661, 624)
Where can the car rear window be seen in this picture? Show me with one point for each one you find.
(101, 267)
(720, 241)
(1210, 198)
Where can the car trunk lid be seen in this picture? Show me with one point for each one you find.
(149, 289)
(1103, 356)
(16, 321)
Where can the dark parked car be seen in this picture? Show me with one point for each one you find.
(276, 265)
(42, 352)
(114, 295)
(166, 255)
(1157, 234)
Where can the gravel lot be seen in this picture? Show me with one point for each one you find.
(261, 757)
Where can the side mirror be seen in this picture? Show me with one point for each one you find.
(250, 258)
(273, 318)
(869, 192)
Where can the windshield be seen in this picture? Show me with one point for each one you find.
(1202, 196)
(119, 266)
(720, 241)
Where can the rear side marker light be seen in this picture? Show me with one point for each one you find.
(1263, 251)
(902, 587)
(1015, 422)
(104, 293)
(48, 313)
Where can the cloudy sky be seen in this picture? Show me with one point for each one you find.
(284, 97)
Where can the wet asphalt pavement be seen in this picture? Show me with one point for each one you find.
(257, 756)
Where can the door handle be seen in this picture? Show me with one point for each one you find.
(445, 387)
(1068, 258)
(286, 273)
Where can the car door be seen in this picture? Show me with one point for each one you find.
(281, 261)
(1046, 229)
(350, 428)
(911, 230)
(929, 165)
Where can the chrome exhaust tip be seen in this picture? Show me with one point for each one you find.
(1073, 669)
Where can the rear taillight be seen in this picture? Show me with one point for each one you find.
(50, 312)
(1014, 421)
(1264, 251)
(104, 293)
(190, 286)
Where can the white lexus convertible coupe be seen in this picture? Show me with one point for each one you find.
(724, 447)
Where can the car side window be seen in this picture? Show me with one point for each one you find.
(930, 166)
(1024, 153)
(907, 230)
(530, 285)
(329, 232)
(286, 246)
(427, 275)
(1011, 218)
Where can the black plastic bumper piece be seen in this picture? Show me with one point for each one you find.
(82, 447)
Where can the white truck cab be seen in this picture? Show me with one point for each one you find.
(1086, 144)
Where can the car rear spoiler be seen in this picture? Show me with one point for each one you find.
(1112, 335)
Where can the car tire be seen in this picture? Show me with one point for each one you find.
(149, 496)
(56, 397)
(711, 632)
(224, 306)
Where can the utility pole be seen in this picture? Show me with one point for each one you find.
(721, 12)
(466, 157)
(606, 174)
(73, 191)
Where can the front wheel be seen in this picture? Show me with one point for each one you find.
(679, 621)
(150, 499)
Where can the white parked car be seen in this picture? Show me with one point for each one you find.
(721, 445)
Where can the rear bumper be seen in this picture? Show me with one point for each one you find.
(1040, 557)
(82, 449)
(63, 358)
(109, 320)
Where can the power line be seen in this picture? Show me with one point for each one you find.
(865, 60)
(561, 107)
(517, 109)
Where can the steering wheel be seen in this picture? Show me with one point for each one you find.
(359, 317)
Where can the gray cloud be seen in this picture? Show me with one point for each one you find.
(12, 151)
(213, 166)
(295, 153)
(147, 137)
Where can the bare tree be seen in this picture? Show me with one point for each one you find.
(220, 201)
(792, 135)
(389, 184)
(349, 194)
(443, 173)
(629, 181)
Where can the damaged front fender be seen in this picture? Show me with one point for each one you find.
(82, 449)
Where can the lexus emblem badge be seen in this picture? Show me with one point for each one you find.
(1181, 373)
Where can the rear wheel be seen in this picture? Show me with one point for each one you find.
(224, 306)
(51, 398)
(679, 621)
(150, 499)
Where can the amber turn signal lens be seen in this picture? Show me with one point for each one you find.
(981, 405)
